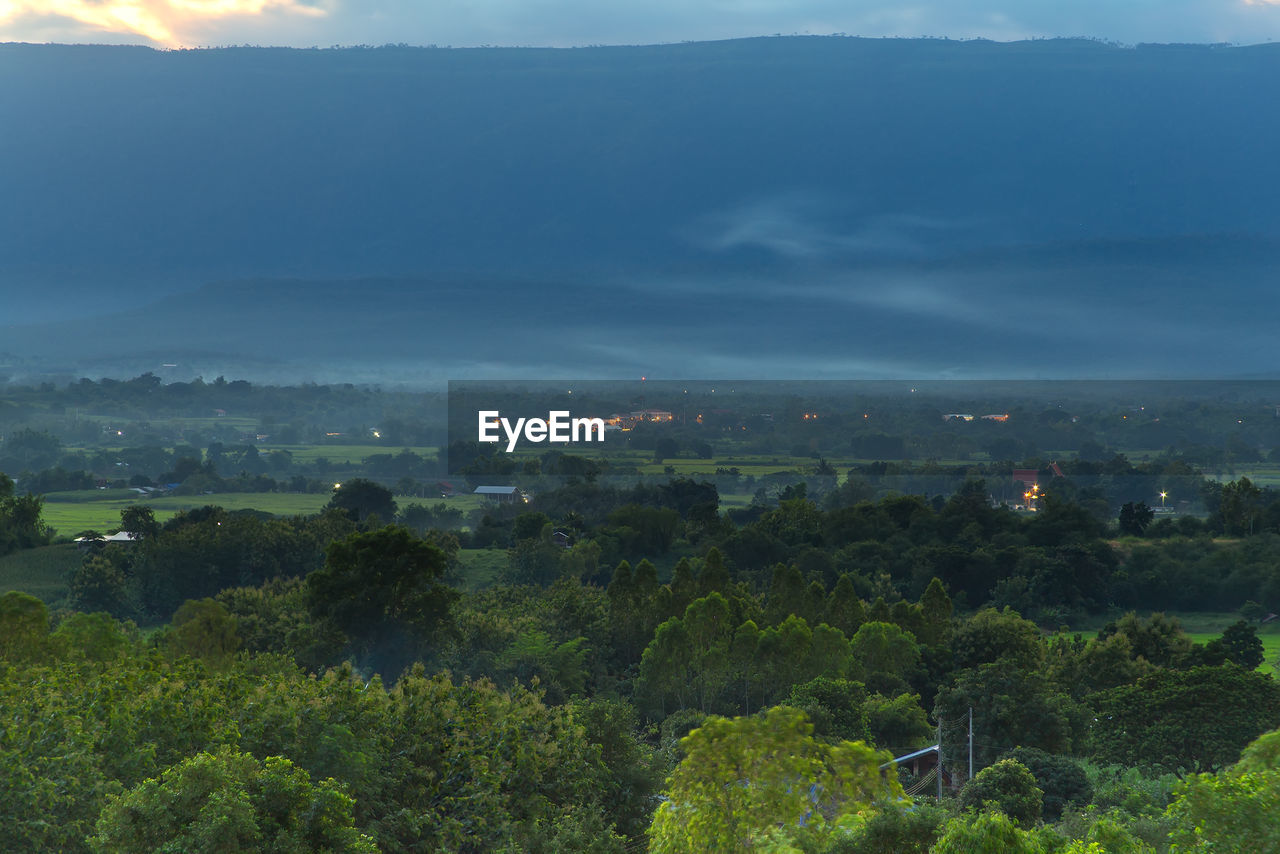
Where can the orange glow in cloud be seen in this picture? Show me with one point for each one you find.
(161, 21)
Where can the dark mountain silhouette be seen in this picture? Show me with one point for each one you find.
(781, 206)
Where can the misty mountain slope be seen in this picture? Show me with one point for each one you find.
(780, 206)
(982, 314)
(252, 162)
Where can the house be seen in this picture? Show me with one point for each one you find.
(1027, 477)
(658, 415)
(505, 494)
(922, 765)
(562, 539)
(123, 538)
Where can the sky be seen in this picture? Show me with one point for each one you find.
(569, 23)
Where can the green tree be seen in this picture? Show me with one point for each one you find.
(361, 498)
(935, 611)
(714, 577)
(100, 585)
(203, 629)
(1242, 645)
(834, 706)
(898, 723)
(382, 589)
(1009, 787)
(689, 656)
(140, 521)
(96, 637)
(1184, 720)
(990, 635)
(887, 657)
(634, 774)
(533, 561)
(844, 609)
(985, 833)
(1011, 706)
(1062, 780)
(1134, 518)
(1158, 639)
(665, 668)
(1240, 508)
(1107, 836)
(743, 780)
(24, 626)
(1232, 811)
(227, 802)
(20, 524)
(895, 829)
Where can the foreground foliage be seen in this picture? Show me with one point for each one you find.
(745, 780)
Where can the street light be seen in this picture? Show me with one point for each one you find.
(1163, 496)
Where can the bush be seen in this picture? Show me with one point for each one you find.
(1062, 780)
(1008, 787)
(893, 830)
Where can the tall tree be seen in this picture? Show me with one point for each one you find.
(382, 589)
(229, 801)
(1185, 720)
(361, 498)
(745, 783)
(1234, 810)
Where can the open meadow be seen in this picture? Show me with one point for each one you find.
(42, 572)
(72, 512)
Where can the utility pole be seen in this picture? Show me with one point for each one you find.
(971, 742)
(939, 768)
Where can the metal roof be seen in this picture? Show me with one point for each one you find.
(933, 748)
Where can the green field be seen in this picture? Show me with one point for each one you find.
(480, 567)
(1262, 474)
(71, 512)
(1204, 627)
(42, 572)
(344, 454)
(1270, 647)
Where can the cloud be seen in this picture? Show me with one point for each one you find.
(164, 22)
(566, 23)
(804, 228)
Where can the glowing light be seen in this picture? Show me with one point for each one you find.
(161, 21)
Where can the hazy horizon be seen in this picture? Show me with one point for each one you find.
(774, 207)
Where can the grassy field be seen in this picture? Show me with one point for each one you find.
(1262, 474)
(41, 572)
(757, 468)
(44, 572)
(343, 454)
(72, 512)
(238, 422)
(480, 567)
(1204, 627)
